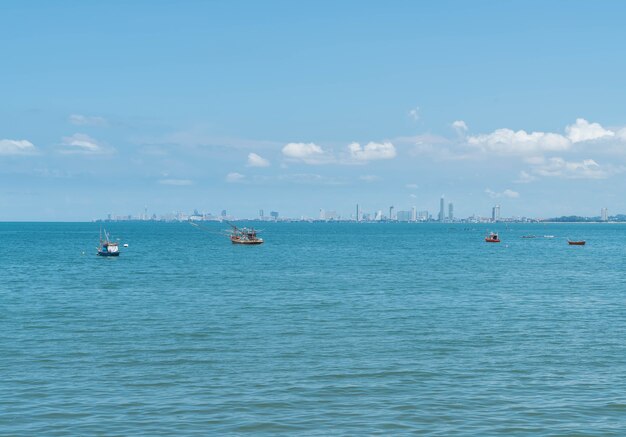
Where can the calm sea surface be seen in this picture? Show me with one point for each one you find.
(327, 329)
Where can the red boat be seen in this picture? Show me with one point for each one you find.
(492, 238)
(576, 243)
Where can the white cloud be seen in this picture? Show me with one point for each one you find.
(510, 193)
(507, 141)
(524, 178)
(176, 182)
(415, 113)
(460, 127)
(582, 130)
(585, 169)
(85, 120)
(506, 193)
(411, 186)
(311, 179)
(234, 177)
(369, 178)
(81, 143)
(309, 153)
(255, 160)
(17, 147)
(437, 147)
(372, 151)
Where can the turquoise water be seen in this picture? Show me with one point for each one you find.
(342, 329)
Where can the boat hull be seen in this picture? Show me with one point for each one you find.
(489, 240)
(249, 243)
(108, 254)
(576, 243)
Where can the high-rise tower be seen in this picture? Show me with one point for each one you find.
(495, 213)
(441, 209)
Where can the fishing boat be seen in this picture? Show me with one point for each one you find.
(529, 236)
(576, 243)
(492, 238)
(107, 247)
(244, 236)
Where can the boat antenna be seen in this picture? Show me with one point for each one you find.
(231, 225)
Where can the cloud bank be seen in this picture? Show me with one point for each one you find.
(255, 160)
(82, 144)
(372, 151)
(85, 120)
(17, 147)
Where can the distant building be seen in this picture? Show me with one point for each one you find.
(322, 214)
(274, 215)
(450, 211)
(604, 214)
(261, 213)
(413, 214)
(441, 209)
(379, 215)
(331, 215)
(391, 213)
(423, 216)
(223, 213)
(358, 213)
(404, 216)
(495, 213)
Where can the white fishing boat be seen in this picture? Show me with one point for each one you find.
(107, 247)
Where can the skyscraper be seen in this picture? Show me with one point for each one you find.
(441, 209)
(358, 213)
(413, 214)
(604, 214)
(403, 216)
(495, 213)
(391, 213)
(450, 211)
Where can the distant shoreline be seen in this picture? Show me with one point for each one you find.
(318, 221)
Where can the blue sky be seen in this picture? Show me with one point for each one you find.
(107, 107)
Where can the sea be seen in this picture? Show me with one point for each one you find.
(326, 329)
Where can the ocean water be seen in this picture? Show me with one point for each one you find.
(327, 329)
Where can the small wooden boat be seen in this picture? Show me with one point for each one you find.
(107, 247)
(492, 238)
(576, 243)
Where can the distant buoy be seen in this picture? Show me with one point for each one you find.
(125, 244)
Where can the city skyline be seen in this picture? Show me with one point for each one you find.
(175, 107)
(373, 215)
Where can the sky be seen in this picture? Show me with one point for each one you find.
(113, 107)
